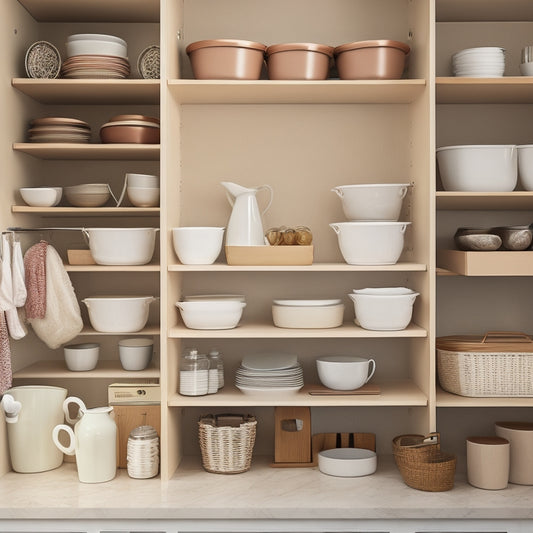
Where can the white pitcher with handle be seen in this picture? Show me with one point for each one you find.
(93, 441)
(245, 227)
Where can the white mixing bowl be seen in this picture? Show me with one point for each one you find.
(81, 357)
(211, 314)
(135, 354)
(197, 245)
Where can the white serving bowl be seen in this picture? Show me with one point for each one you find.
(307, 314)
(211, 314)
(135, 354)
(95, 37)
(372, 201)
(525, 166)
(88, 194)
(344, 372)
(197, 245)
(347, 462)
(216, 297)
(370, 243)
(121, 246)
(81, 357)
(84, 47)
(142, 180)
(478, 168)
(382, 311)
(118, 314)
(143, 196)
(40, 196)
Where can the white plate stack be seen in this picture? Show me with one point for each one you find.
(269, 373)
(483, 62)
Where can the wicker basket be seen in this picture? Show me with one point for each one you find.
(422, 464)
(496, 364)
(226, 449)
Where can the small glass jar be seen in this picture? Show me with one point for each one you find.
(215, 355)
(143, 453)
(194, 374)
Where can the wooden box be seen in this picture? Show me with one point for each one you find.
(499, 263)
(269, 255)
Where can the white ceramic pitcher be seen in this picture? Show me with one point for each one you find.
(245, 227)
(93, 441)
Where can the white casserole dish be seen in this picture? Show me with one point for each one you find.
(347, 462)
(211, 314)
(307, 314)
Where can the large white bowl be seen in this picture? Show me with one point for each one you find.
(41, 196)
(372, 201)
(302, 315)
(143, 196)
(211, 314)
(118, 314)
(525, 165)
(344, 372)
(83, 47)
(383, 311)
(370, 243)
(142, 180)
(347, 462)
(478, 168)
(135, 354)
(121, 246)
(197, 245)
(81, 357)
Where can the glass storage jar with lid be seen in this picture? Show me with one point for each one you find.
(194, 374)
(143, 452)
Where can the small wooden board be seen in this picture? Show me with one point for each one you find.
(80, 257)
(368, 388)
(269, 255)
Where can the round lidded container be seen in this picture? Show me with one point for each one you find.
(194, 374)
(382, 59)
(143, 452)
(226, 59)
(520, 436)
(298, 61)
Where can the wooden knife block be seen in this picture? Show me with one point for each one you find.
(292, 440)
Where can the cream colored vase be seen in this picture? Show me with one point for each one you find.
(93, 441)
(487, 460)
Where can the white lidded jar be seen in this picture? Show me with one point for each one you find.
(143, 452)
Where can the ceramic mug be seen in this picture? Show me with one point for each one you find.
(487, 461)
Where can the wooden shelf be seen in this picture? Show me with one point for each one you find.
(515, 200)
(505, 90)
(148, 331)
(93, 10)
(499, 263)
(93, 152)
(446, 399)
(112, 268)
(484, 11)
(87, 211)
(392, 394)
(260, 331)
(104, 370)
(316, 267)
(296, 92)
(67, 91)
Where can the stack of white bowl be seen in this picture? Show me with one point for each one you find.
(526, 65)
(142, 189)
(482, 62)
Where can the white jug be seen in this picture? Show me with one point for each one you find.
(93, 441)
(245, 227)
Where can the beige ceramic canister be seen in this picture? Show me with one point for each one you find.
(520, 435)
(487, 462)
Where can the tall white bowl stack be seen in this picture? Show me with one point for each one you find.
(481, 62)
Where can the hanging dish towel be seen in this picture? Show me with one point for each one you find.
(35, 274)
(17, 271)
(62, 321)
(6, 376)
(14, 326)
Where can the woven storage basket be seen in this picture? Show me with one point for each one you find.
(496, 364)
(226, 449)
(422, 464)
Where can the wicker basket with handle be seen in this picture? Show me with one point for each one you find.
(422, 464)
(492, 365)
(227, 449)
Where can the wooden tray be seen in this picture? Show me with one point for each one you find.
(269, 255)
(368, 388)
(499, 263)
(80, 257)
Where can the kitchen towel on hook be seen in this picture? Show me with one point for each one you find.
(35, 275)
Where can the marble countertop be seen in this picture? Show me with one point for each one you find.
(261, 493)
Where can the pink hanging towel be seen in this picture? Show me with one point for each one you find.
(35, 272)
(6, 375)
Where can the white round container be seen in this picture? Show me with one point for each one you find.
(520, 436)
(487, 462)
(118, 314)
(525, 165)
(372, 201)
(40, 196)
(307, 314)
(135, 354)
(121, 246)
(370, 243)
(381, 311)
(197, 245)
(82, 357)
(478, 168)
(211, 314)
(143, 196)
(347, 462)
(344, 372)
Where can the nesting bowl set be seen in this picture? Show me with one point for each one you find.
(243, 60)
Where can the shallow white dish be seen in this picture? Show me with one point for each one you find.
(211, 314)
(204, 297)
(307, 303)
(347, 462)
(95, 37)
(41, 196)
(95, 47)
(269, 361)
(267, 390)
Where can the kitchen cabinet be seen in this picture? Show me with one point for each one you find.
(302, 138)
